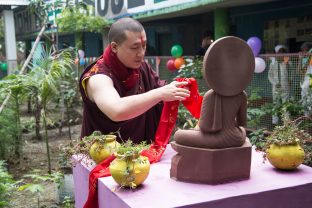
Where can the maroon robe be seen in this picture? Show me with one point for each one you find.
(141, 128)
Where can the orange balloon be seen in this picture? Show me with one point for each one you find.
(178, 62)
(76, 61)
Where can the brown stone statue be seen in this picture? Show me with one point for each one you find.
(228, 68)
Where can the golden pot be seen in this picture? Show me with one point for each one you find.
(100, 151)
(130, 171)
(285, 157)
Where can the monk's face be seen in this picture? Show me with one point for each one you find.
(131, 51)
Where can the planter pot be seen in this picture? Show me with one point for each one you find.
(130, 171)
(99, 152)
(285, 157)
(66, 189)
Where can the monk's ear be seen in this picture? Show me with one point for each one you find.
(114, 47)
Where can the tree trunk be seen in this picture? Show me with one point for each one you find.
(18, 143)
(46, 139)
(62, 106)
(29, 110)
(68, 121)
(37, 118)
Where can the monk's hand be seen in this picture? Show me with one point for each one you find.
(175, 91)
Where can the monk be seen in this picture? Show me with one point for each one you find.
(120, 91)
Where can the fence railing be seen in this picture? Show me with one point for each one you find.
(284, 83)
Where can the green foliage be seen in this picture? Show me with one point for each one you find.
(255, 95)
(41, 8)
(45, 79)
(37, 178)
(290, 105)
(6, 185)
(306, 102)
(254, 112)
(45, 76)
(128, 148)
(291, 133)
(308, 153)
(82, 147)
(254, 116)
(185, 120)
(288, 133)
(37, 187)
(7, 131)
(28, 124)
(257, 138)
(191, 68)
(68, 202)
(79, 19)
(15, 85)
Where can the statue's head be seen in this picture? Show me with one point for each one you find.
(228, 66)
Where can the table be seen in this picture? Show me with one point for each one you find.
(266, 188)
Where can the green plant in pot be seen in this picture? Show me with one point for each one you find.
(284, 147)
(96, 146)
(130, 169)
(102, 146)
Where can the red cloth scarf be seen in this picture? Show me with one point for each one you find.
(156, 150)
(129, 77)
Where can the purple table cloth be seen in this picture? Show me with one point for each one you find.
(266, 188)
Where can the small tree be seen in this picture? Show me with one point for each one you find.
(45, 78)
(14, 84)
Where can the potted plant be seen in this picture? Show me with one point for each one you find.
(102, 146)
(96, 146)
(130, 169)
(284, 147)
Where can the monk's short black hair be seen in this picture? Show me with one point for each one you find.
(117, 30)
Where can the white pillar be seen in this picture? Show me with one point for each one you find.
(10, 41)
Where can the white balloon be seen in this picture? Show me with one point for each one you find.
(259, 65)
(81, 53)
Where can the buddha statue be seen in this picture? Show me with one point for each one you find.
(228, 68)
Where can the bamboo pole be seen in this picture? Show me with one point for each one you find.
(25, 63)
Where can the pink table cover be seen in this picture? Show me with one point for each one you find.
(266, 188)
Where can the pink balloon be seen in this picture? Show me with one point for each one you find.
(259, 65)
(170, 65)
(81, 53)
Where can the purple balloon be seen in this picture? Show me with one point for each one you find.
(255, 45)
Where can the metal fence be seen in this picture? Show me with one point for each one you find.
(284, 84)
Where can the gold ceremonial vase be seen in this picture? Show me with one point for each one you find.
(100, 150)
(130, 171)
(285, 157)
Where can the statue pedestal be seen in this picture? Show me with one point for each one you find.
(211, 166)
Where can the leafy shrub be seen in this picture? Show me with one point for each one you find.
(254, 112)
(8, 131)
(306, 102)
(6, 185)
(185, 120)
(257, 138)
(191, 68)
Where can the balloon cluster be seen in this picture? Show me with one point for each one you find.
(81, 58)
(177, 61)
(255, 45)
(3, 66)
